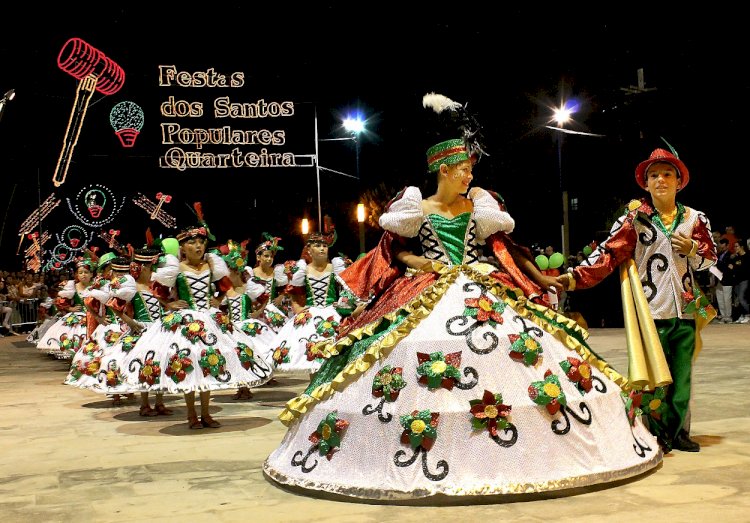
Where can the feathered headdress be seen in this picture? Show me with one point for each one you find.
(456, 129)
(271, 243)
(328, 236)
(200, 230)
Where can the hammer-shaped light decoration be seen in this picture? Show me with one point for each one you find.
(111, 238)
(126, 119)
(155, 209)
(95, 72)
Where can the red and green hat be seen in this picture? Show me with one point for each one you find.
(448, 152)
(662, 156)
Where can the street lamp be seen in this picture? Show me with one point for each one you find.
(7, 97)
(361, 220)
(562, 115)
(354, 126)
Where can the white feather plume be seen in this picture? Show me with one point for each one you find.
(439, 103)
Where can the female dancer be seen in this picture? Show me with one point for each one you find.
(456, 381)
(318, 312)
(63, 339)
(245, 303)
(193, 348)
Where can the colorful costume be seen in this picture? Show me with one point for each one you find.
(674, 298)
(66, 335)
(294, 342)
(193, 349)
(456, 383)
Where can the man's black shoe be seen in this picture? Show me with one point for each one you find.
(684, 443)
(665, 446)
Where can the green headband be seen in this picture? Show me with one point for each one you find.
(448, 152)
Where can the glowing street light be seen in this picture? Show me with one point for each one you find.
(561, 116)
(305, 227)
(7, 97)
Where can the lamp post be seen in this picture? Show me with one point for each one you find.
(361, 220)
(562, 115)
(354, 126)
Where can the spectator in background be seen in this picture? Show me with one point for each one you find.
(730, 235)
(741, 268)
(724, 287)
(5, 310)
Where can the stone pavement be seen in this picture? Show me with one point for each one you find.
(67, 455)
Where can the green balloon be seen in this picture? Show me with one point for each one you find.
(542, 262)
(556, 260)
(587, 250)
(171, 246)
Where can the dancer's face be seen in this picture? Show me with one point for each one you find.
(84, 274)
(266, 259)
(193, 249)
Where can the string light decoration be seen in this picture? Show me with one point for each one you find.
(31, 223)
(95, 72)
(126, 118)
(75, 237)
(59, 255)
(99, 202)
(155, 209)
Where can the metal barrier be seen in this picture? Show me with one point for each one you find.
(25, 313)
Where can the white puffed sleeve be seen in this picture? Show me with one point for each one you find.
(254, 290)
(338, 264)
(488, 215)
(298, 278)
(404, 217)
(167, 270)
(102, 294)
(280, 276)
(219, 268)
(126, 290)
(68, 291)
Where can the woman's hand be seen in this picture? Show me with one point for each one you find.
(551, 282)
(177, 305)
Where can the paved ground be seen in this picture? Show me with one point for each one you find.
(68, 455)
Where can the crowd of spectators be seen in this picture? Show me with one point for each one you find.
(22, 294)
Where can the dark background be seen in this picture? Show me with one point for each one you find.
(509, 64)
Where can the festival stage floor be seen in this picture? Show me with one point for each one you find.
(67, 455)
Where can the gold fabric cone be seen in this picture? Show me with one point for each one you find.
(656, 363)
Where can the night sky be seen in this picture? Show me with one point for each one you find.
(509, 64)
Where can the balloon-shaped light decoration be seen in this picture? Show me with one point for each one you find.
(126, 119)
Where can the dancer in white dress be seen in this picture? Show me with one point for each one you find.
(457, 381)
(137, 307)
(244, 303)
(193, 348)
(318, 312)
(68, 333)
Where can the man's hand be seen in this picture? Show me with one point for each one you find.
(681, 244)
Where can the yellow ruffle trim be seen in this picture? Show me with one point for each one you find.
(418, 309)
